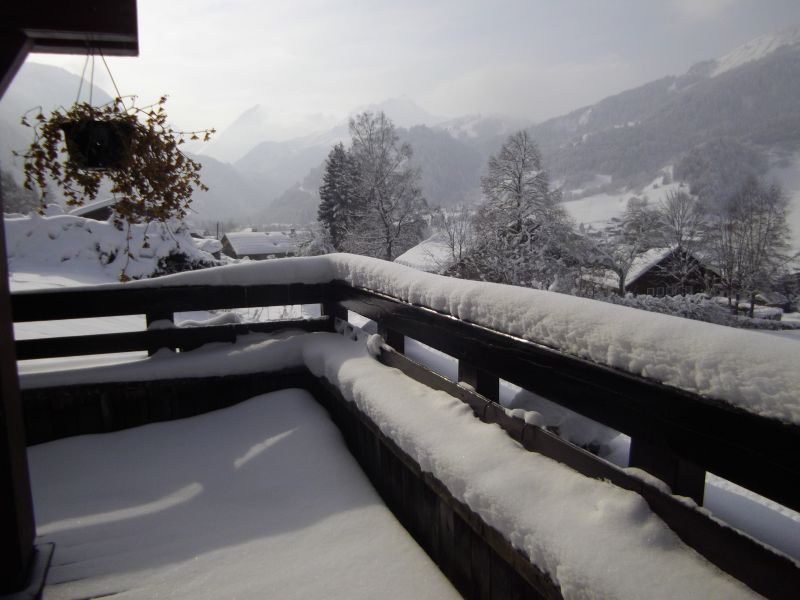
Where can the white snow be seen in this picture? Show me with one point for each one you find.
(599, 209)
(246, 243)
(756, 49)
(260, 500)
(431, 255)
(89, 251)
(762, 376)
(594, 539)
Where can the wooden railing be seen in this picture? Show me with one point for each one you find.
(676, 436)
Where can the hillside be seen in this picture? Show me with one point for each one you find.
(746, 96)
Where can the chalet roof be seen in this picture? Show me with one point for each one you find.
(430, 255)
(646, 261)
(249, 243)
(88, 209)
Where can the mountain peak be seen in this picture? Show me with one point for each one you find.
(756, 49)
(404, 112)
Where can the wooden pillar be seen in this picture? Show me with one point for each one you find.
(16, 507)
(393, 338)
(483, 382)
(151, 318)
(683, 477)
(333, 310)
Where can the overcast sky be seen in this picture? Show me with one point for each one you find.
(533, 59)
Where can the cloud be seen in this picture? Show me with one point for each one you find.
(702, 10)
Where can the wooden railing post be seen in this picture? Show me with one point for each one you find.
(683, 477)
(393, 338)
(16, 507)
(333, 310)
(151, 318)
(483, 382)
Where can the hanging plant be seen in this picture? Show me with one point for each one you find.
(132, 146)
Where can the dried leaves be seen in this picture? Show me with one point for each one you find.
(154, 182)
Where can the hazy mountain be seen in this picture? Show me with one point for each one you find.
(230, 195)
(257, 124)
(750, 95)
(403, 112)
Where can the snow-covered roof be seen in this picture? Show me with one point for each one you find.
(646, 261)
(80, 211)
(209, 245)
(256, 243)
(431, 255)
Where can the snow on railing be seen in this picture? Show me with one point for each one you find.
(751, 370)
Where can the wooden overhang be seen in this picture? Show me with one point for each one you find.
(50, 26)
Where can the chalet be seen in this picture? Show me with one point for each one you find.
(653, 273)
(259, 245)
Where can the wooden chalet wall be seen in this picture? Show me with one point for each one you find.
(657, 280)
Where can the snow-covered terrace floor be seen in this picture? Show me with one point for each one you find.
(259, 500)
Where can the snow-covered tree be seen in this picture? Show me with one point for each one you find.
(638, 233)
(458, 233)
(340, 204)
(682, 227)
(389, 219)
(751, 239)
(521, 229)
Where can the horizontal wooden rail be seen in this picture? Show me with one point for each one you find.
(758, 453)
(85, 303)
(765, 571)
(184, 338)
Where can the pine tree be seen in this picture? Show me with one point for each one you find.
(338, 194)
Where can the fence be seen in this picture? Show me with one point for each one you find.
(676, 436)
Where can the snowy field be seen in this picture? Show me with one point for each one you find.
(598, 210)
(260, 500)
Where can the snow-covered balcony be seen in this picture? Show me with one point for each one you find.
(551, 446)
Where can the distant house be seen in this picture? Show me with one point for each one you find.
(259, 245)
(432, 255)
(99, 210)
(652, 274)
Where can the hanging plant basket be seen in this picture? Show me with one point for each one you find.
(98, 145)
(132, 147)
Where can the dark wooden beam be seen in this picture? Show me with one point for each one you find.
(14, 47)
(72, 26)
(82, 303)
(16, 509)
(184, 338)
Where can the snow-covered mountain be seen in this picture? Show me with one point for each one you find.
(403, 112)
(257, 124)
(757, 49)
